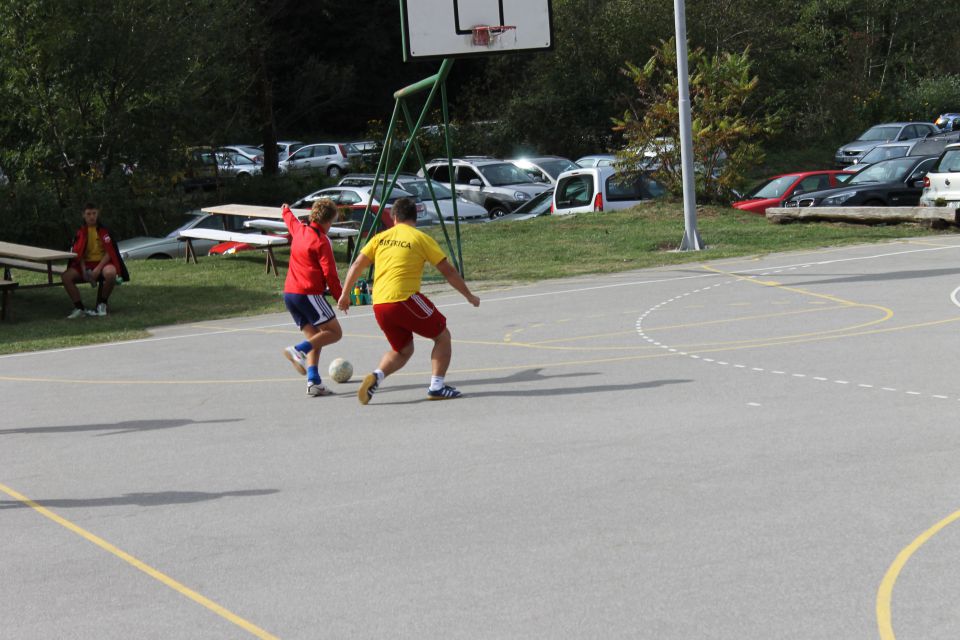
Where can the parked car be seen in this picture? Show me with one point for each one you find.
(602, 189)
(325, 157)
(198, 169)
(929, 146)
(540, 205)
(497, 186)
(775, 191)
(883, 151)
(233, 164)
(369, 151)
(948, 121)
(352, 202)
(254, 153)
(892, 183)
(467, 211)
(878, 134)
(168, 246)
(941, 185)
(286, 148)
(597, 160)
(544, 169)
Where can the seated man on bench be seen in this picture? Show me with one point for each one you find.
(97, 262)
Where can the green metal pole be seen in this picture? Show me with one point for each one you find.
(433, 196)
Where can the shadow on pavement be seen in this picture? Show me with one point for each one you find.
(116, 428)
(152, 499)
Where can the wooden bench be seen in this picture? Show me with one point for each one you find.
(256, 239)
(10, 264)
(6, 286)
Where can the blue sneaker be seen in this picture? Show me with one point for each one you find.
(446, 392)
(297, 358)
(367, 388)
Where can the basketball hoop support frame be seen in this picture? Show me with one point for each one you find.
(434, 84)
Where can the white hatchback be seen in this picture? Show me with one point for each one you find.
(601, 189)
(941, 185)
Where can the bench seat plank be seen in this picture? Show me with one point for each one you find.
(233, 236)
(27, 265)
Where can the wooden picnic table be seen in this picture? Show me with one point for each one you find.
(21, 256)
(339, 232)
(27, 258)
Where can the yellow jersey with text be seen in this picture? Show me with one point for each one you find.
(398, 255)
(94, 251)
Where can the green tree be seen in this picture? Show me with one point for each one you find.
(724, 124)
(97, 85)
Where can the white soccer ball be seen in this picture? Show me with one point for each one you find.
(341, 370)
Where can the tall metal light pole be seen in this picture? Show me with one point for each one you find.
(691, 237)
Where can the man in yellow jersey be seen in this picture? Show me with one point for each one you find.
(401, 310)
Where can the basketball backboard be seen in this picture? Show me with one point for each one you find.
(460, 28)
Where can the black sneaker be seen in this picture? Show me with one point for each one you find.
(367, 388)
(446, 392)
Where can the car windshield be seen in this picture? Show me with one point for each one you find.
(538, 205)
(773, 188)
(419, 188)
(886, 171)
(556, 167)
(187, 222)
(950, 162)
(883, 153)
(879, 132)
(505, 173)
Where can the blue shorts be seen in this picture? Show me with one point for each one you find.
(308, 308)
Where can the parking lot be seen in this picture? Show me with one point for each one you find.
(751, 448)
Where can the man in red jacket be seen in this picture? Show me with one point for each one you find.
(312, 272)
(97, 261)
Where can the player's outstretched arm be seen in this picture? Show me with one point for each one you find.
(359, 265)
(453, 277)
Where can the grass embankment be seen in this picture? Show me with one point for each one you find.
(171, 292)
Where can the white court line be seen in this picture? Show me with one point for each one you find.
(502, 299)
(953, 296)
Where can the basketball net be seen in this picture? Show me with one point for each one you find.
(485, 36)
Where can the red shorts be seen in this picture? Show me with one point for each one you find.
(415, 315)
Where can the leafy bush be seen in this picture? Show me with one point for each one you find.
(724, 124)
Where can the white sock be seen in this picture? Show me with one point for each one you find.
(379, 374)
(436, 383)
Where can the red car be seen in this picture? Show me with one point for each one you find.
(773, 192)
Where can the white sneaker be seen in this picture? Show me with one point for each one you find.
(297, 358)
(91, 312)
(102, 309)
(77, 313)
(318, 390)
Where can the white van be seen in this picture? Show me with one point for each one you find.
(601, 189)
(941, 185)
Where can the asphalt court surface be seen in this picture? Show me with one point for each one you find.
(751, 448)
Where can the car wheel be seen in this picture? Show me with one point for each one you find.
(498, 211)
(334, 171)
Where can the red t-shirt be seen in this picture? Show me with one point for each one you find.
(312, 268)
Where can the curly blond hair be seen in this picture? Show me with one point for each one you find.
(323, 210)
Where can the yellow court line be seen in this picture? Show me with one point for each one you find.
(776, 342)
(138, 564)
(885, 592)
